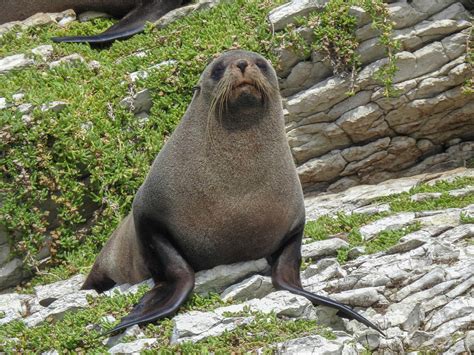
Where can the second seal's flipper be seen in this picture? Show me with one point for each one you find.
(133, 23)
(286, 276)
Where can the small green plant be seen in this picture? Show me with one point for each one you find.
(466, 219)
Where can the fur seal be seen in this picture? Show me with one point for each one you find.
(223, 189)
(134, 14)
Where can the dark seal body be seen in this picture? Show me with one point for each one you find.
(133, 13)
(223, 189)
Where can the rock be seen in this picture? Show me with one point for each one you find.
(58, 308)
(282, 303)
(194, 326)
(3, 103)
(25, 108)
(397, 221)
(143, 74)
(361, 297)
(323, 248)
(132, 347)
(424, 196)
(469, 341)
(407, 316)
(51, 292)
(432, 278)
(460, 307)
(55, 106)
(13, 62)
(219, 278)
(92, 15)
(72, 59)
(180, 12)
(44, 51)
(322, 169)
(11, 274)
(139, 102)
(256, 286)
(283, 15)
(313, 344)
(12, 306)
(355, 253)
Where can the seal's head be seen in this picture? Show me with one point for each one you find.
(238, 85)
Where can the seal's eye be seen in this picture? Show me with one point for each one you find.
(261, 64)
(218, 71)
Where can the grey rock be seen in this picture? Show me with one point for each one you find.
(424, 196)
(143, 74)
(13, 62)
(92, 15)
(72, 59)
(55, 106)
(58, 308)
(139, 102)
(257, 286)
(183, 11)
(314, 344)
(222, 276)
(194, 326)
(323, 248)
(25, 108)
(11, 273)
(355, 252)
(59, 289)
(322, 169)
(356, 153)
(3, 103)
(44, 51)
(469, 341)
(362, 123)
(404, 15)
(445, 332)
(281, 16)
(132, 347)
(361, 297)
(13, 306)
(397, 221)
(459, 307)
(432, 278)
(282, 303)
(4, 253)
(407, 316)
(466, 191)
(322, 271)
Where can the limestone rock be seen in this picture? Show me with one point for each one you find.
(222, 276)
(139, 102)
(72, 59)
(284, 15)
(132, 347)
(51, 292)
(11, 273)
(322, 248)
(44, 51)
(256, 286)
(58, 308)
(91, 15)
(397, 221)
(13, 62)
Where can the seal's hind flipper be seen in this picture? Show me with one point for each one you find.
(286, 276)
(133, 23)
(161, 301)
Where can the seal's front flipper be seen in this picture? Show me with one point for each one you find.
(286, 276)
(133, 23)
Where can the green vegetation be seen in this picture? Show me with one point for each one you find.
(402, 202)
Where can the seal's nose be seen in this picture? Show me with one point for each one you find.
(242, 64)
